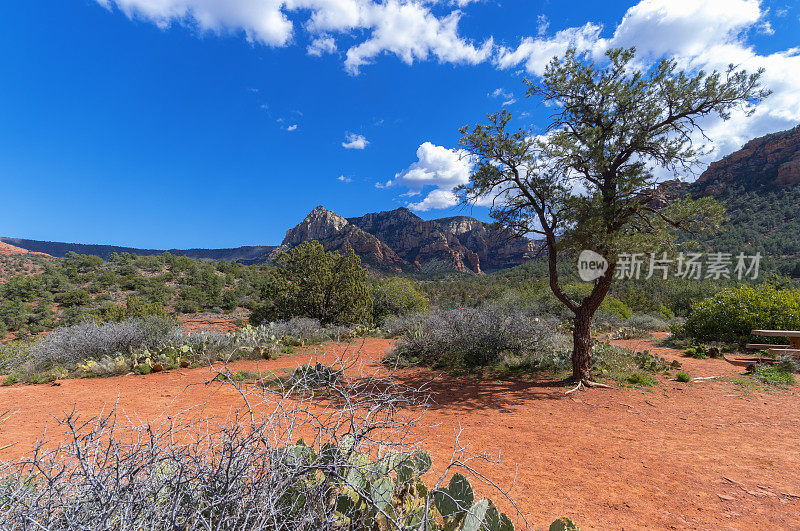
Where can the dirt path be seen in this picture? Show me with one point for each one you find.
(704, 455)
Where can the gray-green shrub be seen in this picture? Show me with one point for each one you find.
(474, 337)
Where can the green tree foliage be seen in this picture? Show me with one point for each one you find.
(165, 281)
(75, 297)
(396, 296)
(588, 183)
(310, 282)
(731, 314)
(135, 308)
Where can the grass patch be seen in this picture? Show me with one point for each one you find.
(11, 379)
(773, 374)
(683, 377)
(638, 379)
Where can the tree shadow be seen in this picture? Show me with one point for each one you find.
(482, 393)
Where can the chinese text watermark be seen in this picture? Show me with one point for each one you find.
(690, 266)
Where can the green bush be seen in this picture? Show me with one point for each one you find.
(731, 314)
(76, 297)
(683, 377)
(310, 282)
(396, 296)
(135, 308)
(11, 379)
(615, 307)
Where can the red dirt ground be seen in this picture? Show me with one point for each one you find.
(8, 249)
(213, 323)
(703, 455)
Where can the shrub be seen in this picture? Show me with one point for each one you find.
(301, 331)
(652, 323)
(13, 354)
(731, 314)
(474, 337)
(314, 376)
(76, 297)
(683, 377)
(396, 296)
(11, 379)
(614, 307)
(93, 341)
(310, 282)
(135, 308)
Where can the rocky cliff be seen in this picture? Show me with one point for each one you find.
(401, 240)
(764, 163)
(336, 233)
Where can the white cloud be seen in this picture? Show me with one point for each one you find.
(261, 21)
(435, 200)
(536, 53)
(405, 28)
(321, 45)
(707, 35)
(344, 179)
(354, 141)
(508, 97)
(684, 27)
(292, 127)
(542, 23)
(437, 167)
(411, 32)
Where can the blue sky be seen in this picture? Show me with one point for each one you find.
(217, 123)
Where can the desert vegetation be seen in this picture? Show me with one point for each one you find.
(348, 465)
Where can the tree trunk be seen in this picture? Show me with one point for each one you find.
(582, 347)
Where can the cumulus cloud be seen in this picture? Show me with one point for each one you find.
(292, 127)
(411, 32)
(344, 179)
(534, 53)
(435, 200)
(261, 21)
(681, 29)
(323, 44)
(354, 141)
(405, 28)
(436, 167)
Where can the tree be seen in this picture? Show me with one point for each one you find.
(589, 182)
(396, 296)
(310, 282)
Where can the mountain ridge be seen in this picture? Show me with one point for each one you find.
(393, 241)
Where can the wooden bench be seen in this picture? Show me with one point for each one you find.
(792, 349)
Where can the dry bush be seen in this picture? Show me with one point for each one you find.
(356, 466)
(474, 337)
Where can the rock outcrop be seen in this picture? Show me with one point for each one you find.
(771, 161)
(401, 240)
(335, 233)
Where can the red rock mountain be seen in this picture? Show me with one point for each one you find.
(767, 162)
(399, 240)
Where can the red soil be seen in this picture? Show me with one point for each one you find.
(703, 455)
(199, 323)
(8, 249)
